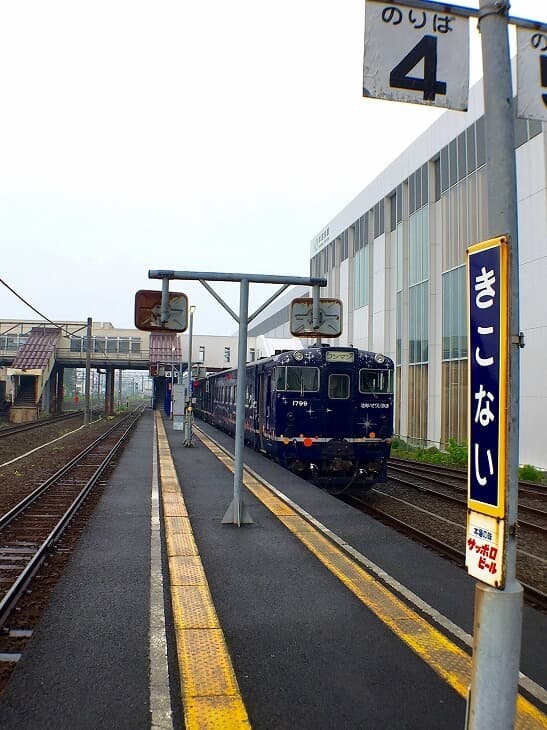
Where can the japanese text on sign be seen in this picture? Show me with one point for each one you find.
(416, 55)
(487, 272)
(532, 74)
(484, 548)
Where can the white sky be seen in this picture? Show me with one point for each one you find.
(153, 134)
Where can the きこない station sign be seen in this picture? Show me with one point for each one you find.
(488, 290)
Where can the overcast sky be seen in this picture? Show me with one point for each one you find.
(189, 135)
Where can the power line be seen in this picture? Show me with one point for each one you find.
(43, 316)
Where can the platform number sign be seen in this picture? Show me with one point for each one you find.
(416, 55)
(532, 74)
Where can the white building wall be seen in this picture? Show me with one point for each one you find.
(373, 327)
(532, 194)
(360, 328)
(390, 322)
(344, 297)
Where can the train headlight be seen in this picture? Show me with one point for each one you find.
(379, 358)
(298, 356)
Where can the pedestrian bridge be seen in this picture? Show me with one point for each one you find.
(34, 356)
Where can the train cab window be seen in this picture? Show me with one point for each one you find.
(338, 386)
(300, 379)
(375, 381)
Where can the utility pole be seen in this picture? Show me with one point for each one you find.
(88, 374)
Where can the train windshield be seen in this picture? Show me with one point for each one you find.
(338, 386)
(300, 379)
(375, 381)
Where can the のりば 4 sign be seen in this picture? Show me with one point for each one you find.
(488, 297)
(416, 55)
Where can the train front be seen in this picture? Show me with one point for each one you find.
(334, 415)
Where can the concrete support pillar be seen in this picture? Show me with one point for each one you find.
(49, 394)
(109, 393)
(60, 390)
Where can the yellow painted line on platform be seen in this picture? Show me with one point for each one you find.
(431, 645)
(210, 694)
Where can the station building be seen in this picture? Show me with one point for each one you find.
(396, 254)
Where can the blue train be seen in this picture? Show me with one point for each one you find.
(325, 413)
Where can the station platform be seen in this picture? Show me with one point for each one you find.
(313, 616)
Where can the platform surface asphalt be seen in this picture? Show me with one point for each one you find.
(305, 651)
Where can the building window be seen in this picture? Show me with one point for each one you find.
(201, 356)
(454, 355)
(393, 211)
(99, 344)
(397, 402)
(454, 315)
(418, 189)
(417, 404)
(379, 219)
(418, 323)
(399, 194)
(252, 354)
(77, 344)
(418, 246)
(360, 276)
(226, 354)
(454, 401)
(344, 246)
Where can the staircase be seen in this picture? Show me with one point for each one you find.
(26, 395)
(31, 368)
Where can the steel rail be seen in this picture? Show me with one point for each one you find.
(532, 594)
(534, 511)
(460, 474)
(22, 427)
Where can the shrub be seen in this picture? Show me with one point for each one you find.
(457, 452)
(530, 473)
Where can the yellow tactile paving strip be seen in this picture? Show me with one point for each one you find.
(442, 655)
(210, 694)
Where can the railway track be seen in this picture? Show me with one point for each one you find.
(30, 529)
(456, 475)
(22, 427)
(537, 514)
(438, 520)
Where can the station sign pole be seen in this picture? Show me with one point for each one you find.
(417, 51)
(498, 613)
(87, 411)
